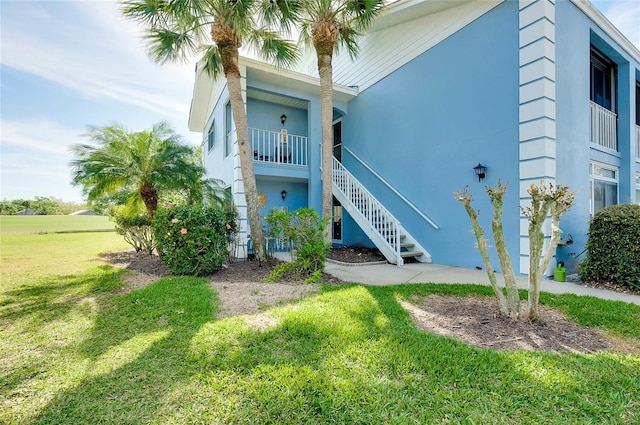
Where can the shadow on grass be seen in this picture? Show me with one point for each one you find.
(139, 352)
(52, 297)
(349, 355)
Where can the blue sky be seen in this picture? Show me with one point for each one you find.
(67, 65)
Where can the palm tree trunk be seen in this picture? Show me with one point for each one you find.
(150, 199)
(232, 74)
(325, 71)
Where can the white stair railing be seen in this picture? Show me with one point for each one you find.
(377, 222)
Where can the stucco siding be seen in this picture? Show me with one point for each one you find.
(576, 32)
(427, 125)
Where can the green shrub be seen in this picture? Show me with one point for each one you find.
(136, 230)
(613, 247)
(306, 230)
(279, 227)
(193, 240)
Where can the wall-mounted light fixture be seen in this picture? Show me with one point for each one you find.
(283, 194)
(283, 118)
(480, 171)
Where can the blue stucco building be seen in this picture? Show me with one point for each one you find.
(531, 89)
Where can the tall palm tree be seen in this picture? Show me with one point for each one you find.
(328, 26)
(141, 164)
(216, 29)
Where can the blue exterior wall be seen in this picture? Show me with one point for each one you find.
(266, 116)
(313, 132)
(297, 195)
(427, 125)
(575, 34)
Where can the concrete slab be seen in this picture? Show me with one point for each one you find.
(389, 274)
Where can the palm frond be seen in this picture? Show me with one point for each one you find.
(281, 14)
(273, 48)
(169, 46)
(211, 60)
(147, 12)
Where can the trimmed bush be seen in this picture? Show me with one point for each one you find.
(279, 227)
(193, 240)
(136, 230)
(613, 247)
(306, 230)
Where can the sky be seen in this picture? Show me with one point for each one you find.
(68, 65)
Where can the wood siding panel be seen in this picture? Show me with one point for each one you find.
(384, 51)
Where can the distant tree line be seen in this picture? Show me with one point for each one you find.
(41, 205)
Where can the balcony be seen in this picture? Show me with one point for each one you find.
(603, 127)
(279, 147)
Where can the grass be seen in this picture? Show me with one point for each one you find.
(76, 349)
(35, 246)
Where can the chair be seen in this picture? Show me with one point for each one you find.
(284, 156)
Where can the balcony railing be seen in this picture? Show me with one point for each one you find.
(638, 141)
(603, 127)
(279, 147)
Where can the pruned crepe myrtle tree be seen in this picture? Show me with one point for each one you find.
(549, 199)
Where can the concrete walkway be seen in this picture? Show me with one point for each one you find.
(389, 274)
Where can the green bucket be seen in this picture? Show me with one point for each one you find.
(560, 274)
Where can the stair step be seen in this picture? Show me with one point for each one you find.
(407, 245)
(408, 254)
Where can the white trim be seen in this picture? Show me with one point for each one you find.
(537, 110)
(594, 177)
(607, 27)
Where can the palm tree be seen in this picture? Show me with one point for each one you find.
(141, 164)
(217, 29)
(329, 25)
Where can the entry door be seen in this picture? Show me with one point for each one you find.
(336, 222)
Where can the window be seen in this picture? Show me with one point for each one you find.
(603, 80)
(211, 137)
(638, 188)
(604, 186)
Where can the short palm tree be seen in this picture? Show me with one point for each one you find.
(328, 26)
(216, 29)
(141, 164)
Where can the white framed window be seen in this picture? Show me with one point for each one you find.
(211, 137)
(604, 186)
(638, 188)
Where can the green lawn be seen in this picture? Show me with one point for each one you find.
(36, 246)
(78, 350)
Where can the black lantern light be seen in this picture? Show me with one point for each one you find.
(480, 171)
(283, 118)
(283, 194)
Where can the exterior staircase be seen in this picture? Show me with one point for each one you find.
(393, 241)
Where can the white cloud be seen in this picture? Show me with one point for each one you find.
(101, 57)
(625, 15)
(38, 136)
(35, 159)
